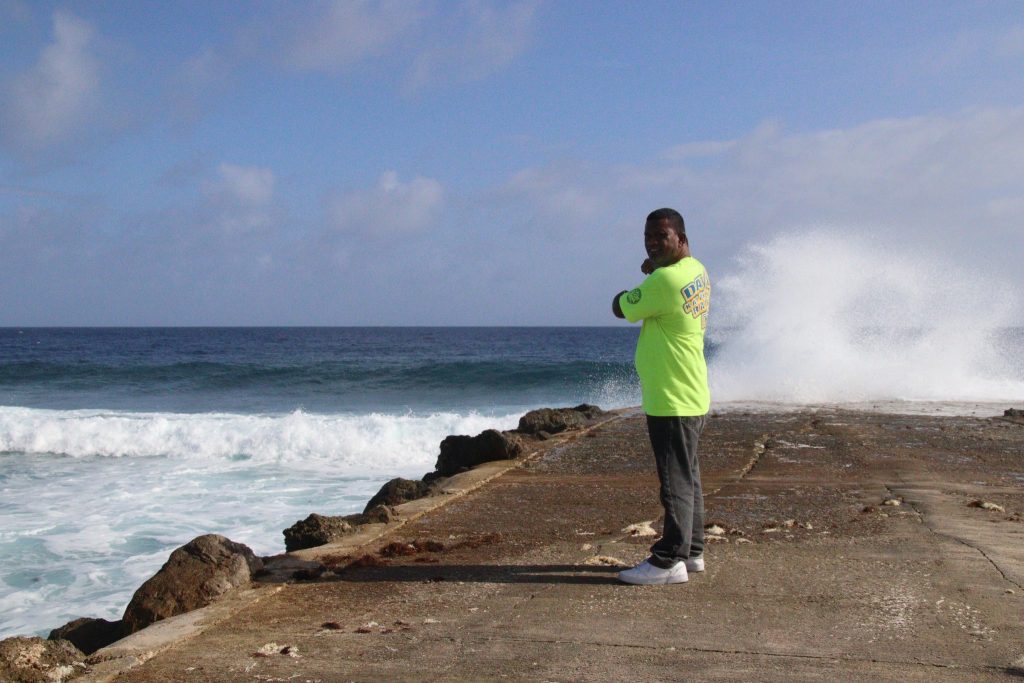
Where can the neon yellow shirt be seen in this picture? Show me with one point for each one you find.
(673, 302)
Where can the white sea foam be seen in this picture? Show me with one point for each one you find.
(353, 443)
(821, 317)
(93, 502)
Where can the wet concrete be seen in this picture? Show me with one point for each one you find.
(814, 577)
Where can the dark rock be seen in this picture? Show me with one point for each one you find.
(89, 635)
(1013, 412)
(195, 575)
(311, 574)
(555, 420)
(398, 491)
(589, 411)
(34, 660)
(378, 514)
(316, 530)
(431, 477)
(462, 452)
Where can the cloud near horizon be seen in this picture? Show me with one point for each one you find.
(389, 207)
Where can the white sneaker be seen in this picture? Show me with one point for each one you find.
(695, 564)
(646, 574)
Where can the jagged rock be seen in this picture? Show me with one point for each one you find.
(462, 452)
(431, 477)
(316, 530)
(88, 634)
(398, 491)
(34, 660)
(1013, 412)
(195, 575)
(377, 514)
(555, 420)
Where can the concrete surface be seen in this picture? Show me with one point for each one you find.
(815, 578)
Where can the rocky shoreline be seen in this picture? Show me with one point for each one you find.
(211, 566)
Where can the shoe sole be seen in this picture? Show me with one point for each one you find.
(656, 582)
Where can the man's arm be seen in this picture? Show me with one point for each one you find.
(616, 309)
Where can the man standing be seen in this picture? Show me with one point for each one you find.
(673, 303)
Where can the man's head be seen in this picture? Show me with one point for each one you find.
(665, 237)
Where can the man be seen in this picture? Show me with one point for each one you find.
(673, 303)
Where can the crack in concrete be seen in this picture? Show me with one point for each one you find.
(711, 650)
(922, 518)
(758, 450)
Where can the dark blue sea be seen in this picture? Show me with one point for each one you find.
(316, 370)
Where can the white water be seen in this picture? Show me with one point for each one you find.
(356, 444)
(93, 502)
(821, 317)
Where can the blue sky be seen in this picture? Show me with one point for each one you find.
(438, 163)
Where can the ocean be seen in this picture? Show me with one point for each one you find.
(118, 445)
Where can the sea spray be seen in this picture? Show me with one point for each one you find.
(821, 316)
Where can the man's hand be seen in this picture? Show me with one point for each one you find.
(647, 267)
(616, 309)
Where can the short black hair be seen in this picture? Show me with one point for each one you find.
(672, 216)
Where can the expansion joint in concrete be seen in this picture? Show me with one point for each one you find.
(722, 651)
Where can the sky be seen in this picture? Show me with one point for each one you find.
(487, 163)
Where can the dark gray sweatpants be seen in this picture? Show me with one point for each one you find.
(674, 440)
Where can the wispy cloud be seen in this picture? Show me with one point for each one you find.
(422, 44)
(46, 103)
(240, 199)
(478, 40)
(341, 33)
(558, 198)
(995, 45)
(948, 183)
(390, 206)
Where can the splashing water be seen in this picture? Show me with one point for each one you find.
(820, 317)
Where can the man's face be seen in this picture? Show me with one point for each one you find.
(664, 247)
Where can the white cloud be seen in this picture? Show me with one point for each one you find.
(480, 40)
(241, 199)
(389, 206)
(342, 33)
(47, 102)
(249, 185)
(559, 198)
(949, 184)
